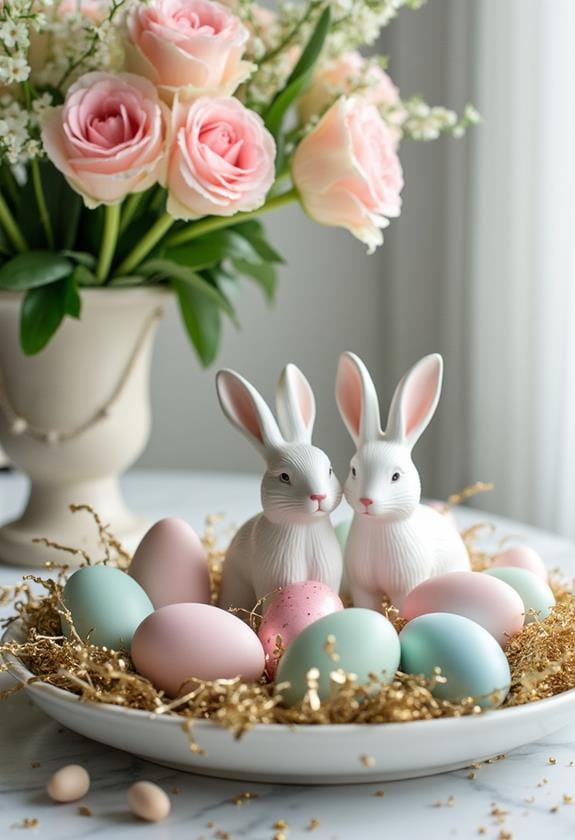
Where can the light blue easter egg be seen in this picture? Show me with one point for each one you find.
(533, 591)
(470, 659)
(342, 532)
(364, 642)
(106, 604)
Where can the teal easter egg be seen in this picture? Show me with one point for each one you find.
(470, 659)
(105, 603)
(533, 591)
(342, 532)
(361, 642)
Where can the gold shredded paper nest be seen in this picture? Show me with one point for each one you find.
(541, 658)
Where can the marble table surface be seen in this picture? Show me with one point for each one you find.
(524, 796)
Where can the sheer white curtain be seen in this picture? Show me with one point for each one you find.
(499, 300)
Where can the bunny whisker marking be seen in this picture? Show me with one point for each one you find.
(394, 542)
(292, 539)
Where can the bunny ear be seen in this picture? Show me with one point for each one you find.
(247, 410)
(415, 400)
(357, 399)
(295, 404)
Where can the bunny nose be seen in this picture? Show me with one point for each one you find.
(366, 502)
(318, 497)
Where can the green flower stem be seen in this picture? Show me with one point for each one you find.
(130, 208)
(12, 230)
(143, 248)
(109, 241)
(211, 223)
(41, 201)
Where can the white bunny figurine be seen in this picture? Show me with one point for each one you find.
(293, 539)
(395, 542)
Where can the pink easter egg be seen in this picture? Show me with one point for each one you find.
(182, 642)
(171, 565)
(294, 608)
(522, 557)
(442, 508)
(498, 609)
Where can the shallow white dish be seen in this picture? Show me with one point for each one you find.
(303, 754)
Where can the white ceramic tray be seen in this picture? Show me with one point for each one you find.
(304, 754)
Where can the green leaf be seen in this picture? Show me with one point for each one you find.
(201, 319)
(81, 257)
(254, 232)
(185, 275)
(262, 273)
(84, 277)
(33, 269)
(72, 300)
(64, 209)
(130, 280)
(300, 75)
(42, 311)
(211, 249)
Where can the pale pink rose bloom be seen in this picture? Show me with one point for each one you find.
(337, 77)
(347, 171)
(220, 158)
(197, 44)
(108, 139)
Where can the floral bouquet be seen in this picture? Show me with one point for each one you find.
(140, 142)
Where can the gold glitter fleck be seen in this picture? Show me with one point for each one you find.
(30, 822)
(530, 799)
(313, 824)
(471, 775)
(554, 809)
(482, 830)
(35, 764)
(84, 811)
(242, 798)
(280, 835)
(223, 835)
(329, 648)
(450, 801)
(552, 760)
(281, 825)
(367, 760)
(505, 835)
(568, 799)
(380, 793)
(175, 790)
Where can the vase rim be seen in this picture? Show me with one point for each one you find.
(100, 294)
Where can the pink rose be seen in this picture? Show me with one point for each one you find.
(108, 138)
(188, 43)
(340, 76)
(220, 158)
(347, 171)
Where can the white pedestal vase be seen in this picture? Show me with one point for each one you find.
(74, 417)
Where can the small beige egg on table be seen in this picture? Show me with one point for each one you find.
(69, 784)
(149, 802)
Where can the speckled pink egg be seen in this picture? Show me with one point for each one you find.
(294, 608)
(180, 642)
(171, 565)
(522, 557)
(498, 609)
(442, 508)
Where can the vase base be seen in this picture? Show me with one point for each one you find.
(47, 515)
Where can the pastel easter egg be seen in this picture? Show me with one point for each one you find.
(493, 604)
(522, 557)
(171, 565)
(182, 642)
(444, 510)
(356, 640)
(106, 604)
(293, 609)
(342, 530)
(534, 592)
(469, 657)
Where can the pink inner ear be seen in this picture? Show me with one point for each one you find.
(349, 393)
(242, 408)
(305, 401)
(419, 395)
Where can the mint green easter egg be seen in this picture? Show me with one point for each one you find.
(470, 659)
(533, 591)
(364, 643)
(342, 532)
(106, 604)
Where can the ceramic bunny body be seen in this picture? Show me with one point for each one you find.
(293, 538)
(394, 543)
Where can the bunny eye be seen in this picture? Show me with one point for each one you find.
(330, 471)
(354, 472)
(284, 478)
(395, 477)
